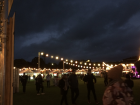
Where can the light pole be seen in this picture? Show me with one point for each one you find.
(63, 63)
(39, 60)
(45, 55)
(39, 53)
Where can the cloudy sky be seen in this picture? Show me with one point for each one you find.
(100, 30)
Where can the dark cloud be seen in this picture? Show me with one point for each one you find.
(77, 29)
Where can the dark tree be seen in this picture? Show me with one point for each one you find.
(60, 65)
(35, 63)
(20, 63)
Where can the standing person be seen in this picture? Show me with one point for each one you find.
(63, 84)
(34, 77)
(39, 84)
(117, 92)
(73, 82)
(48, 77)
(24, 79)
(129, 82)
(84, 78)
(29, 77)
(90, 85)
(105, 78)
(36, 84)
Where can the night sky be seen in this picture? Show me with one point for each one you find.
(100, 30)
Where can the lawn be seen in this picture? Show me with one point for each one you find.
(52, 95)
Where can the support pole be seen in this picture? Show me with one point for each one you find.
(38, 60)
(63, 66)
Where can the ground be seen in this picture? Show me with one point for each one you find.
(52, 95)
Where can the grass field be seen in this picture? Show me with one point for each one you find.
(52, 95)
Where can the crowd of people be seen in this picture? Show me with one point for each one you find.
(117, 92)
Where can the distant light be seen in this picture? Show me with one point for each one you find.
(57, 57)
(71, 61)
(123, 64)
(88, 60)
(51, 56)
(90, 64)
(42, 53)
(85, 63)
(66, 59)
(75, 61)
(47, 55)
(62, 59)
(132, 64)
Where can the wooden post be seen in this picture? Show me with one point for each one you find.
(9, 62)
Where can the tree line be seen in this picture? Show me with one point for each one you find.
(20, 63)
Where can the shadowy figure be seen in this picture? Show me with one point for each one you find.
(64, 86)
(48, 77)
(39, 84)
(73, 82)
(34, 77)
(105, 78)
(90, 85)
(128, 81)
(29, 77)
(24, 79)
